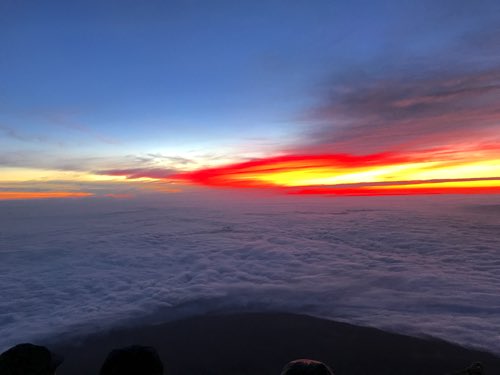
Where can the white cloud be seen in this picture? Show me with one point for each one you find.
(406, 264)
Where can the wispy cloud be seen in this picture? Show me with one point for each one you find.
(407, 113)
(18, 135)
(172, 158)
(60, 121)
(67, 120)
(48, 159)
(136, 173)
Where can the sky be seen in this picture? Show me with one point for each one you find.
(129, 98)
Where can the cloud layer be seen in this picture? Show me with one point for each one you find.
(416, 265)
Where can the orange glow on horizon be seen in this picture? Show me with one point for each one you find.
(462, 169)
(17, 195)
(445, 171)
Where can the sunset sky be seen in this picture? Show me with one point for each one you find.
(125, 98)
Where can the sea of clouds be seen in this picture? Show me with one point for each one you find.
(420, 265)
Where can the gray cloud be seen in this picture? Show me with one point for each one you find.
(172, 159)
(11, 132)
(404, 99)
(48, 160)
(408, 113)
(135, 173)
(68, 121)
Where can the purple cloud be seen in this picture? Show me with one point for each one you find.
(407, 114)
(135, 173)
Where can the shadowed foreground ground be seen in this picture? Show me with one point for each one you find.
(257, 343)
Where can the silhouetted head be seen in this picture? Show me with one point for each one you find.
(476, 368)
(306, 367)
(132, 360)
(29, 359)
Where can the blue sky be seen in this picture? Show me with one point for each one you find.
(235, 79)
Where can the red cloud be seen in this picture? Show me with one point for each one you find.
(239, 174)
(385, 173)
